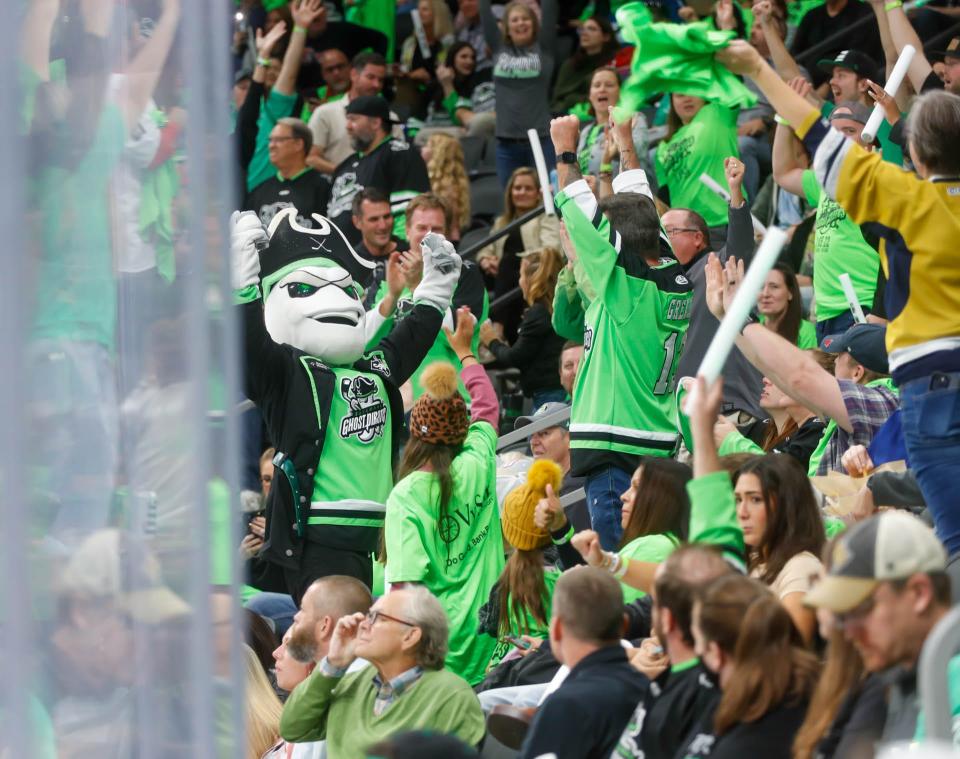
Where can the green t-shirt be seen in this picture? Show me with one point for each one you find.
(275, 106)
(806, 337)
(75, 267)
(838, 247)
(699, 147)
(650, 548)
(458, 556)
(529, 626)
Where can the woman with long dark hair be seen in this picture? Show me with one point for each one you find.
(782, 529)
(442, 526)
(598, 45)
(745, 637)
(781, 309)
(467, 95)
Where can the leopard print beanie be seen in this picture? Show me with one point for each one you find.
(440, 414)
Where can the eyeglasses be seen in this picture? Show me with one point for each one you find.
(671, 231)
(374, 614)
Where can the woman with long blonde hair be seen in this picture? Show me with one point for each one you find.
(448, 178)
(500, 261)
(263, 708)
(536, 351)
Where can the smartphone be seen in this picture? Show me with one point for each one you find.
(513, 640)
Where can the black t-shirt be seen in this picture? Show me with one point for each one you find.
(668, 713)
(817, 25)
(393, 167)
(308, 192)
(771, 736)
(380, 269)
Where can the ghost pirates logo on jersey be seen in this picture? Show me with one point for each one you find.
(368, 412)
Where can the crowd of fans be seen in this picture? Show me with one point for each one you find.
(663, 567)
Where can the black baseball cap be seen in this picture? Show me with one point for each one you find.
(865, 342)
(373, 106)
(952, 50)
(859, 63)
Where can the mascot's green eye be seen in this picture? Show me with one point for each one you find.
(301, 290)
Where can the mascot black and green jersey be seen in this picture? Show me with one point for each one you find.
(332, 408)
(623, 400)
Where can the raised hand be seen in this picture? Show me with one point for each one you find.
(740, 57)
(891, 111)
(714, 279)
(548, 514)
(461, 339)
(247, 237)
(733, 169)
(395, 276)
(565, 133)
(305, 12)
(266, 42)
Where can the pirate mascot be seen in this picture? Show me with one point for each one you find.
(333, 409)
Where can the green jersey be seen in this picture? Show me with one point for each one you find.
(458, 555)
(839, 248)
(699, 147)
(623, 400)
(357, 440)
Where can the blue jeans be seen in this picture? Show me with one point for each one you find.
(277, 607)
(557, 395)
(931, 427)
(603, 488)
(513, 155)
(835, 325)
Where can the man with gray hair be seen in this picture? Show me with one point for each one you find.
(295, 184)
(404, 687)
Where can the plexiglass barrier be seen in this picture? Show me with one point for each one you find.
(119, 632)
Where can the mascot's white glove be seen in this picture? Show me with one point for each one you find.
(441, 272)
(247, 239)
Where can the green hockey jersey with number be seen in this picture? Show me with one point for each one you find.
(623, 400)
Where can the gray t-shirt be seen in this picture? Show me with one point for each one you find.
(522, 75)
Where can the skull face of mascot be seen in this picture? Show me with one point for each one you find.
(312, 301)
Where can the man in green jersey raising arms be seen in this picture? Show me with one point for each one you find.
(624, 406)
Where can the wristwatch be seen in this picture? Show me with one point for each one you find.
(567, 156)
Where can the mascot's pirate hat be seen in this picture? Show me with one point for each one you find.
(293, 246)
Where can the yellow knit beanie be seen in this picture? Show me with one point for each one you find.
(521, 502)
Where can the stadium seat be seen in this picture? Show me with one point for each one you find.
(486, 197)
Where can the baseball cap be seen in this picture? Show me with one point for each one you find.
(889, 546)
(858, 111)
(545, 410)
(859, 63)
(952, 50)
(373, 106)
(865, 342)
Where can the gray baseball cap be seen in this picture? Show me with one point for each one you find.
(545, 410)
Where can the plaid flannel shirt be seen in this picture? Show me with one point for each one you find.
(868, 408)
